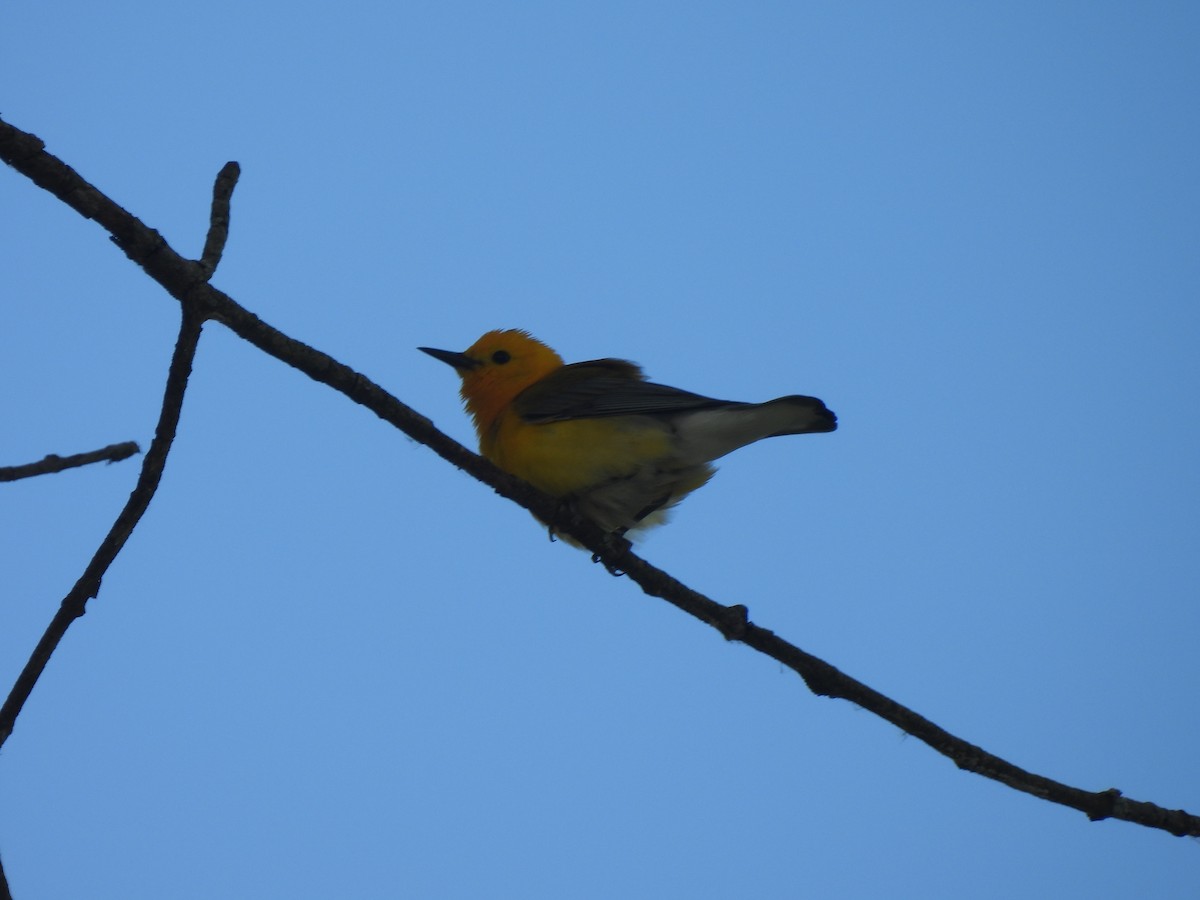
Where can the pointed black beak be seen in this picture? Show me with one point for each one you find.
(460, 361)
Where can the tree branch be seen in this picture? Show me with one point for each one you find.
(54, 463)
(218, 221)
(185, 281)
(88, 585)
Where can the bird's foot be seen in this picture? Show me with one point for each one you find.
(616, 545)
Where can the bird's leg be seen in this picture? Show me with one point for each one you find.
(567, 508)
(618, 544)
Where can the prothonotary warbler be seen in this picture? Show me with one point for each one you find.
(597, 434)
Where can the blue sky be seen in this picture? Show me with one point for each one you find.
(328, 664)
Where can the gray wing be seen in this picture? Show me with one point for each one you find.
(604, 387)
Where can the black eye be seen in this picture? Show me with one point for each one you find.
(500, 357)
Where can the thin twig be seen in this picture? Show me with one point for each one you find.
(218, 220)
(184, 279)
(54, 463)
(88, 585)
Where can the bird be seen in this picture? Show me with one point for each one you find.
(599, 436)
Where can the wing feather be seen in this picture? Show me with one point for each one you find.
(604, 387)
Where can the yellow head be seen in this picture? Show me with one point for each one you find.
(495, 369)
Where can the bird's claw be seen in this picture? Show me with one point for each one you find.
(615, 545)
